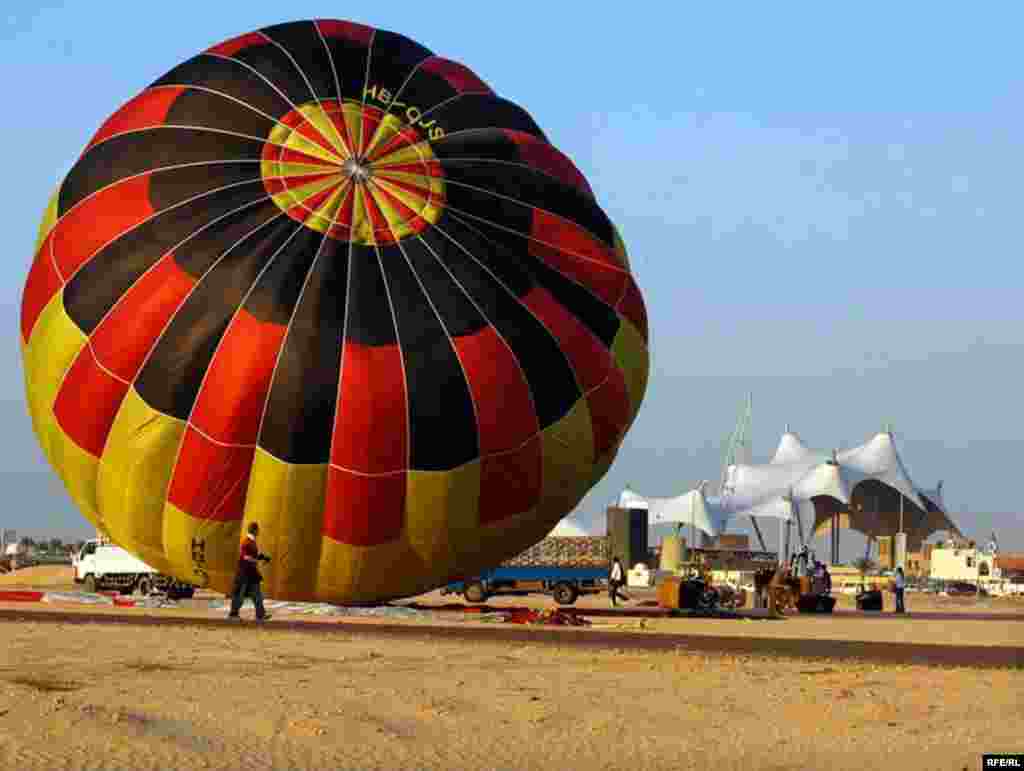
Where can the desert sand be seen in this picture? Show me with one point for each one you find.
(39, 577)
(99, 696)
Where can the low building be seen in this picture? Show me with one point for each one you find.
(963, 561)
(1010, 564)
(917, 563)
(735, 542)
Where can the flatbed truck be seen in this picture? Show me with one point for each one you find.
(564, 584)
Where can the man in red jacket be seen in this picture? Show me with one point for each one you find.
(248, 578)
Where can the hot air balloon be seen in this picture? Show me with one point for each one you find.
(320, 278)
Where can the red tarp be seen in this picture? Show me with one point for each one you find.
(14, 595)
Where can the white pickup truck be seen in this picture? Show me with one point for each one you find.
(103, 565)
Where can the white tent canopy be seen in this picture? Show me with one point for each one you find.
(690, 508)
(803, 474)
(569, 526)
(787, 485)
(709, 514)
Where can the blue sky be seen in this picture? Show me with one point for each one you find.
(822, 207)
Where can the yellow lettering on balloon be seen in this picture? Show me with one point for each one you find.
(413, 114)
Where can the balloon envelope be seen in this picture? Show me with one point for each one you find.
(320, 278)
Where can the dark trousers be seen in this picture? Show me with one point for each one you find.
(614, 593)
(245, 589)
(900, 607)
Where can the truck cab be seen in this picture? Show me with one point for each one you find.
(104, 565)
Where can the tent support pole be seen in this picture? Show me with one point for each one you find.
(757, 529)
(835, 538)
(795, 511)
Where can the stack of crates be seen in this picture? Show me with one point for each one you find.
(565, 551)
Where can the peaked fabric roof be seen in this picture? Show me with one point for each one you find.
(796, 476)
(814, 472)
(569, 527)
(709, 514)
(804, 474)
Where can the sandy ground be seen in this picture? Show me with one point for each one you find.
(96, 696)
(39, 577)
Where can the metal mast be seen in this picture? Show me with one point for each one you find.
(737, 446)
(738, 449)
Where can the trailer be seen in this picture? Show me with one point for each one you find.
(103, 565)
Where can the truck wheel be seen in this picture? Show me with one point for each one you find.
(90, 583)
(144, 586)
(475, 592)
(565, 594)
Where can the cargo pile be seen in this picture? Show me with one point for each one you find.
(565, 551)
(546, 617)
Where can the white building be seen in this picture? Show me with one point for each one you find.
(957, 562)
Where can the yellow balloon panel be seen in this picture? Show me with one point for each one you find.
(288, 502)
(633, 358)
(134, 473)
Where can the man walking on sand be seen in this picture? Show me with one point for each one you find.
(248, 578)
(616, 578)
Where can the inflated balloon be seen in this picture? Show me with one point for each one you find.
(320, 278)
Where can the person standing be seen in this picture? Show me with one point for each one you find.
(804, 560)
(248, 577)
(900, 585)
(817, 577)
(616, 578)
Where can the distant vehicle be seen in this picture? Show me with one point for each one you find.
(564, 585)
(102, 565)
(564, 567)
(1014, 586)
(962, 588)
